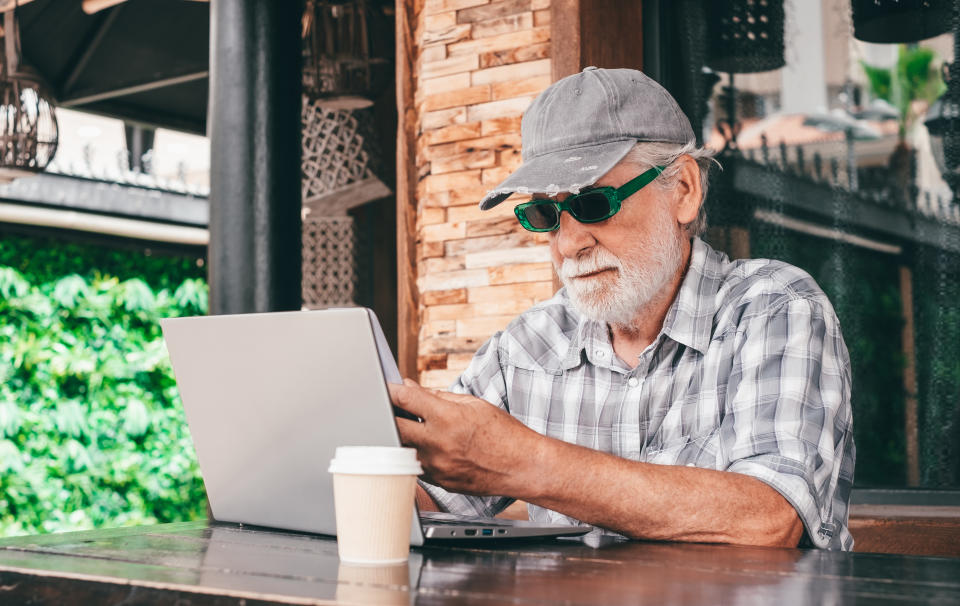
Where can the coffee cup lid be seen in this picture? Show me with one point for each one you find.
(375, 460)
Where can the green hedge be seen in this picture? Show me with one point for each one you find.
(43, 260)
(92, 431)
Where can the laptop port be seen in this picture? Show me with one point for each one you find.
(501, 531)
(487, 532)
(470, 532)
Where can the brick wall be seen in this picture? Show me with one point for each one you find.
(480, 63)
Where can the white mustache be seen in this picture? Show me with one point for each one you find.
(599, 260)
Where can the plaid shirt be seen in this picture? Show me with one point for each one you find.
(749, 374)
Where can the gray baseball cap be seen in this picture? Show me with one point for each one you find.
(580, 127)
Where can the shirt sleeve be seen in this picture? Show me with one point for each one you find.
(788, 419)
(483, 378)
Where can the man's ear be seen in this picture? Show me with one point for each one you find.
(689, 193)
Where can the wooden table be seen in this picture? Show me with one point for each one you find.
(201, 563)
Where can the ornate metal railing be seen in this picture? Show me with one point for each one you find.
(863, 199)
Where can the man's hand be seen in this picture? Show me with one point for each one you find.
(465, 444)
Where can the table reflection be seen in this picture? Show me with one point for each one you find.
(194, 560)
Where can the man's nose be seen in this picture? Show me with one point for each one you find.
(572, 238)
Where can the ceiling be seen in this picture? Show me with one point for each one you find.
(145, 61)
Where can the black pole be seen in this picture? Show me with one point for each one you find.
(255, 84)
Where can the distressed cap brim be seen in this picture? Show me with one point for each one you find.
(568, 170)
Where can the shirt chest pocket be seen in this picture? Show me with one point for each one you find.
(695, 414)
(530, 390)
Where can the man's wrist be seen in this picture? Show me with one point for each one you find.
(424, 501)
(536, 468)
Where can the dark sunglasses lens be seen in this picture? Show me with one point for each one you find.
(590, 206)
(541, 216)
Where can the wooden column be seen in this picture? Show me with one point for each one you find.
(564, 38)
(602, 33)
(909, 378)
(408, 304)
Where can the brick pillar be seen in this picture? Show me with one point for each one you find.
(480, 64)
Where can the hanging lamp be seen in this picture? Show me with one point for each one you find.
(745, 36)
(900, 21)
(341, 62)
(28, 122)
(943, 118)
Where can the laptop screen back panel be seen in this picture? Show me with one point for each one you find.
(268, 398)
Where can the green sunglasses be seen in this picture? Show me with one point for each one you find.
(592, 206)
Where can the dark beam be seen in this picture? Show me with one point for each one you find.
(89, 46)
(107, 198)
(83, 98)
(254, 120)
(652, 38)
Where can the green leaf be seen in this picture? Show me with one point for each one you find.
(69, 291)
(78, 458)
(192, 295)
(70, 419)
(12, 284)
(878, 81)
(10, 458)
(915, 77)
(136, 420)
(10, 419)
(137, 296)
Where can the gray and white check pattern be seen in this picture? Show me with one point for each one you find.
(749, 374)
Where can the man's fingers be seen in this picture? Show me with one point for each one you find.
(457, 398)
(412, 433)
(412, 398)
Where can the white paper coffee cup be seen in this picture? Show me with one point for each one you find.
(374, 488)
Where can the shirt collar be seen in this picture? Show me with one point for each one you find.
(689, 320)
(591, 340)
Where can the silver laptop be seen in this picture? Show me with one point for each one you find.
(269, 397)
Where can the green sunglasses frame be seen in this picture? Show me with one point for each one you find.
(614, 195)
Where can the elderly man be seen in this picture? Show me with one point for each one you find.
(665, 392)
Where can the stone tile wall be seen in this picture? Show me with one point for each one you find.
(480, 64)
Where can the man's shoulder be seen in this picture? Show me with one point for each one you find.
(540, 336)
(750, 287)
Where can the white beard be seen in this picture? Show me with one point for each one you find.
(617, 297)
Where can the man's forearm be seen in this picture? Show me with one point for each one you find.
(469, 446)
(661, 502)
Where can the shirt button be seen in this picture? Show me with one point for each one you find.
(633, 382)
(690, 465)
(600, 353)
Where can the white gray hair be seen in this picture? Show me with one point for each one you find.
(647, 154)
